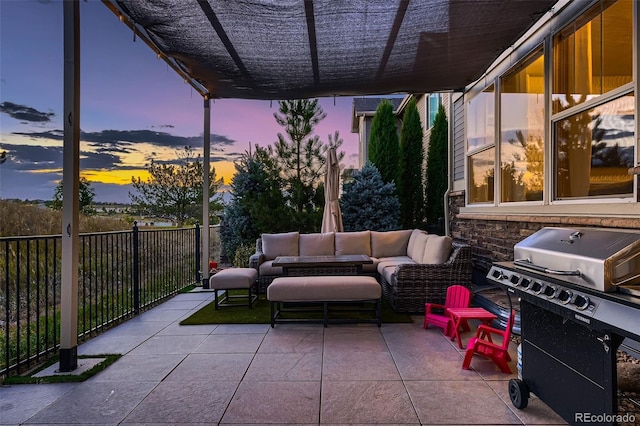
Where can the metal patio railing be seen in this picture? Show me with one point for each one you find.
(121, 274)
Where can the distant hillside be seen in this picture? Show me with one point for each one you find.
(22, 218)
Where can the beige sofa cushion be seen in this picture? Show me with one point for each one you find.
(324, 289)
(317, 244)
(267, 268)
(420, 242)
(412, 240)
(393, 261)
(437, 249)
(389, 243)
(231, 278)
(387, 273)
(282, 244)
(353, 243)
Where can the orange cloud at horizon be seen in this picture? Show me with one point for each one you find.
(117, 177)
(224, 169)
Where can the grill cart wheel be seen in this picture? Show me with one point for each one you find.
(519, 393)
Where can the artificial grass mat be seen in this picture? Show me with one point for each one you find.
(260, 313)
(108, 359)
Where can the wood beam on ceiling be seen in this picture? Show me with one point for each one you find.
(226, 41)
(393, 35)
(313, 45)
(129, 22)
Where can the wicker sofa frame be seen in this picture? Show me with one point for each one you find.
(412, 285)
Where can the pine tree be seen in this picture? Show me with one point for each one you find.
(175, 190)
(301, 160)
(383, 142)
(369, 203)
(410, 187)
(86, 194)
(437, 170)
(257, 204)
(300, 157)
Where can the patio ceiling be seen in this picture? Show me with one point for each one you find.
(291, 49)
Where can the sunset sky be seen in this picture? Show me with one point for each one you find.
(133, 106)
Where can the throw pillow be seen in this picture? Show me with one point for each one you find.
(282, 244)
(389, 243)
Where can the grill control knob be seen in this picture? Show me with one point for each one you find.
(536, 287)
(564, 296)
(581, 302)
(526, 283)
(514, 279)
(549, 291)
(498, 274)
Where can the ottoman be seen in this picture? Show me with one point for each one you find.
(234, 279)
(325, 290)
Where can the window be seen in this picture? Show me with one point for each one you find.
(480, 121)
(573, 144)
(481, 146)
(522, 131)
(593, 55)
(593, 131)
(481, 176)
(432, 108)
(594, 149)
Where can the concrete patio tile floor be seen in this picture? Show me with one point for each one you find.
(304, 374)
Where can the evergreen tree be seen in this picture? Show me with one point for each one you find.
(369, 203)
(257, 204)
(301, 160)
(437, 169)
(300, 157)
(383, 142)
(175, 190)
(410, 187)
(86, 194)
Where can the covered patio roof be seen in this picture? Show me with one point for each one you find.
(293, 49)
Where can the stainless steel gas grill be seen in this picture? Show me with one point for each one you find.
(579, 293)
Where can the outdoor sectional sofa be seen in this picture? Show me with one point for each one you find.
(413, 267)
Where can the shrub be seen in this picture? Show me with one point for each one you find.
(22, 218)
(410, 187)
(257, 204)
(437, 168)
(242, 255)
(384, 150)
(368, 203)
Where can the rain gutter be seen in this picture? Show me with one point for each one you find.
(449, 167)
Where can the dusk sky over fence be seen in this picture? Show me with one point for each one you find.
(134, 108)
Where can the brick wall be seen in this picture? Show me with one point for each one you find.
(492, 237)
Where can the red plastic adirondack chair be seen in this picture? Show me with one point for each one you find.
(483, 344)
(435, 314)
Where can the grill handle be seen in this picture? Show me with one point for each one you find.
(526, 263)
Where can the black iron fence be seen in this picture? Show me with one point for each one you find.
(121, 273)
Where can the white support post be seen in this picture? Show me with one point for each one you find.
(70, 190)
(205, 193)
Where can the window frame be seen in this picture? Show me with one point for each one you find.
(430, 115)
(542, 38)
(540, 51)
(551, 188)
(470, 153)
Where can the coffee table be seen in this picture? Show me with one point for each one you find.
(350, 264)
(462, 315)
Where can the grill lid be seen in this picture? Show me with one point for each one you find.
(599, 258)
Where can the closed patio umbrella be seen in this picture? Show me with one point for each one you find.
(332, 217)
